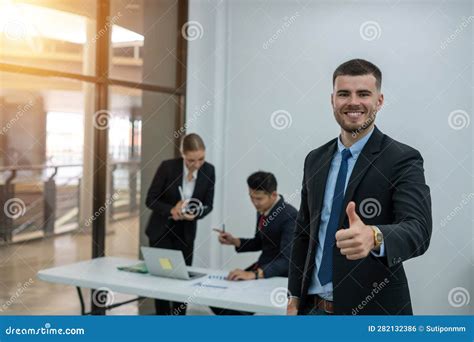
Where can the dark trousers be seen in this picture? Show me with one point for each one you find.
(310, 310)
(173, 240)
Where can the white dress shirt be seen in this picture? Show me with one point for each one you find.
(188, 186)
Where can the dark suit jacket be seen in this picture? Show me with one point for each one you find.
(164, 194)
(274, 240)
(387, 172)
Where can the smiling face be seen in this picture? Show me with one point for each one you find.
(355, 102)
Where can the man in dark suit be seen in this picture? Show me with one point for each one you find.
(181, 193)
(365, 208)
(273, 233)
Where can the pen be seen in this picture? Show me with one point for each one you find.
(208, 285)
(181, 194)
(223, 227)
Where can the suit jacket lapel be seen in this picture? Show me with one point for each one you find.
(364, 161)
(199, 182)
(320, 175)
(179, 179)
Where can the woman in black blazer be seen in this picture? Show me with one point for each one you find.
(181, 192)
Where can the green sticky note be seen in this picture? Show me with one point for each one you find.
(138, 268)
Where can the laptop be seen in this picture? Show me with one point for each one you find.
(168, 263)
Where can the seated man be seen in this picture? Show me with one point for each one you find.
(274, 233)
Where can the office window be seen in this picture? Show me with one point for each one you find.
(41, 149)
(58, 35)
(142, 48)
(52, 93)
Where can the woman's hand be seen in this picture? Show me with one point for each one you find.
(189, 217)
(177, 211)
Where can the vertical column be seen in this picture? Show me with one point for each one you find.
(88, 68)
(50, 204)
(100, 145)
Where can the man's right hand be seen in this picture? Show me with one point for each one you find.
(227, 238)
(292, 307)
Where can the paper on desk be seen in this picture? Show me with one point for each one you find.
(218, 282)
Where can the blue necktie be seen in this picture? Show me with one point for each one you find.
(325, 269)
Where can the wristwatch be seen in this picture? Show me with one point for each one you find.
(378, 237)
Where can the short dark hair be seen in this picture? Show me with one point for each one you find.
(358, 67)
(262, 181)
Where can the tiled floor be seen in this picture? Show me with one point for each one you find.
(21, 293)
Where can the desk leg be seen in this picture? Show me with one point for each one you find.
(97, 307)
(98, 302)
(81, 300)
(100, 308)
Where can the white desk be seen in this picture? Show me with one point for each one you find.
(265, 296)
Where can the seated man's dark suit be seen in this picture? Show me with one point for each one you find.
(273, 237)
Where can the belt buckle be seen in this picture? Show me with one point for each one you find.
(319, 300)
(325, 306)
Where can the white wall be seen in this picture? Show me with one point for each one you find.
(247, 75)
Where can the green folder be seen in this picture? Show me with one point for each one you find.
(138, 268)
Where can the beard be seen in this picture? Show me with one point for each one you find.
(355, 127)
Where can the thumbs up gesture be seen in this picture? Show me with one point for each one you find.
(357, 241)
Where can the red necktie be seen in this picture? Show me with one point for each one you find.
(261, 222)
